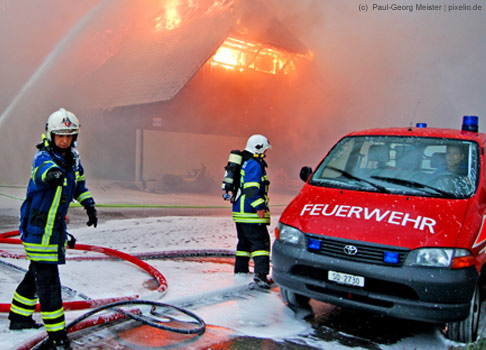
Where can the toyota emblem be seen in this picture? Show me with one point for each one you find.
(350, 249)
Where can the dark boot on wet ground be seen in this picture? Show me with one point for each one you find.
(57, 341)
(261, 281)
(27, 323)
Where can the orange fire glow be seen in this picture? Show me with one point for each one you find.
(175, 12)
(239, 55)
(234, 54)
(171, 18)
(172, 15)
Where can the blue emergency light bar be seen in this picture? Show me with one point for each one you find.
(470, 123)
(421, 125)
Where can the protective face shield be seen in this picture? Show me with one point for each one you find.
(62, 122)
(257, 144)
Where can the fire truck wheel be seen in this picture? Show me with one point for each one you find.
(466, 331)
(293, 299)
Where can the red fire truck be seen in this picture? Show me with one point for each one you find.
(392, 221)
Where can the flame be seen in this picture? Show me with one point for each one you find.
(239, 55)
(173, 17)
(176, 12)
(228, 57)
(234, 54)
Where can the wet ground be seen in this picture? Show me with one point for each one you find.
(332, 325)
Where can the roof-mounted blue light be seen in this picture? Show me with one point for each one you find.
(421, 125)
(470, 123)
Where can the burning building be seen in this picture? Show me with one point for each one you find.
(165, 89)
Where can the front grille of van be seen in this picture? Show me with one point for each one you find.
(356, 251)
(375, 286)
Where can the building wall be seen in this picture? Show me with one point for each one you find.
(179, 161)
(215, 113)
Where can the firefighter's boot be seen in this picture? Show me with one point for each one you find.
(261, 281)
(23, 323)
(57, 341)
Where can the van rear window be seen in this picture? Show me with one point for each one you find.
(421, 166)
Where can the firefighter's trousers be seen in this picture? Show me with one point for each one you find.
(253, 242)
(40, 281)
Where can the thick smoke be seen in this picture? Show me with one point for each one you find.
(383, 69)
(28, 34)
(370, 69)
(29, 37)
(395, 67)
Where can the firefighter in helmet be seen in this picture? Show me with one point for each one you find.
(57, 178)
(251, 213)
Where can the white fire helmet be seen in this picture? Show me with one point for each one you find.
(257, 144)
(62, 122)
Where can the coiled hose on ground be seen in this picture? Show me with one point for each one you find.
(86, 320)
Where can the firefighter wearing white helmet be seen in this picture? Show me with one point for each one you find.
(57, 179)
(257, 144)
(62, 122)
(251, 213)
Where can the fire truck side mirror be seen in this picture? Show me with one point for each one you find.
(305, 172)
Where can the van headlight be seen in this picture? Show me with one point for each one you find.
(289, 234)
(434, 257)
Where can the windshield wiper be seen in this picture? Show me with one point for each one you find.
(414, 184)
(359, 179)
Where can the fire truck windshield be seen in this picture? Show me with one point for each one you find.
(421, 166)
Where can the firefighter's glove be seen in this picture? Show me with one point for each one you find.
(71, 242)
(54, 178)
(92, 215)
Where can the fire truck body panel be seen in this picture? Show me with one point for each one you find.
(391, 221)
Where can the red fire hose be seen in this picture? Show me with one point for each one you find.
(85, 304)
(110, 303)
(100, 320)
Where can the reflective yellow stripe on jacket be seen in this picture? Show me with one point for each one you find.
(34, 171)
(41, 252)
(249, 218)
(45, 251)
(79, 177)
(51, 216)
(83, 196)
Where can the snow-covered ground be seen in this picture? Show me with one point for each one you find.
(207, 287)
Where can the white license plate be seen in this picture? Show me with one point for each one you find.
(344, 278)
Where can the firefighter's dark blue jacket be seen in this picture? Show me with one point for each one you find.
(254, 193)
(42, 214)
